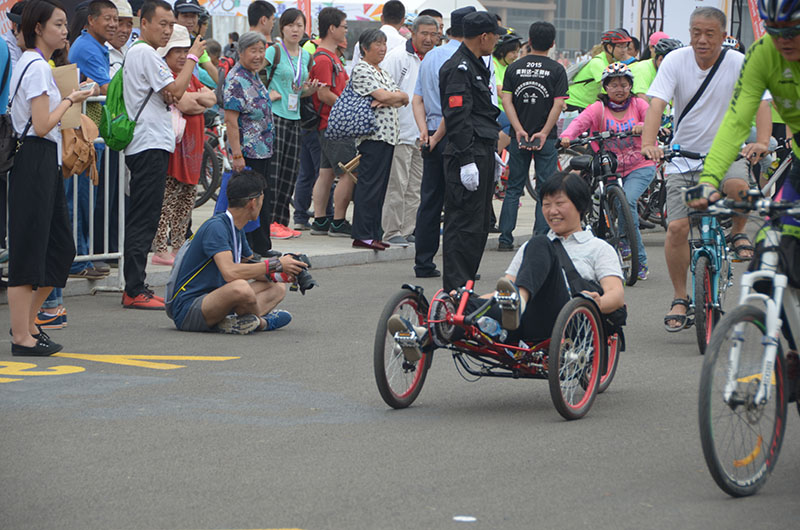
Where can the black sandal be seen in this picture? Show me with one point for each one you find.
(684, 321)
(732, 239)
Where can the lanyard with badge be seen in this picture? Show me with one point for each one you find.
(297, 75)
(237, 252)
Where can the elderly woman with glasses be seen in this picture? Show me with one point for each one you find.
(376, 148)
(248, 117)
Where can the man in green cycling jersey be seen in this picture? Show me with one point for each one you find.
(772, 63)
(585, 87)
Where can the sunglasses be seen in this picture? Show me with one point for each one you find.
(783, 33)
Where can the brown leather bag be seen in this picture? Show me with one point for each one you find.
(77, 153)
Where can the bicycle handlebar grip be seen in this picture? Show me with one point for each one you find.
(690, 154)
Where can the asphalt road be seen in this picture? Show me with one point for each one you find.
(287, 429)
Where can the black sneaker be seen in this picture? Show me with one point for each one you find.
(505, 247)
(320, 229)
(342, 229)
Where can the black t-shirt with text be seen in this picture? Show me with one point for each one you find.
(534, 82)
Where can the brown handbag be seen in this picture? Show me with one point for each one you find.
(77, 153)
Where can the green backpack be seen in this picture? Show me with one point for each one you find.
(116, 127)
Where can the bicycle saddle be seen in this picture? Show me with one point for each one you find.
(581, 163)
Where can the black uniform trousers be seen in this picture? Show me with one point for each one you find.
(467, 216)
(148, 176)
(259, 239)
(429, 213)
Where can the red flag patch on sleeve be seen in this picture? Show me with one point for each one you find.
(455, 101)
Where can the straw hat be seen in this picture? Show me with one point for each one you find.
(179, 39)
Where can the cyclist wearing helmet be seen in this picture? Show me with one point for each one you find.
(619, 111)
(505, 52)
(679, 79)
(773, 63)
(586, 85)
(644, 72)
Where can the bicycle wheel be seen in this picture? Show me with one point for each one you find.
(564, 156)
(619, 229)
(399, 380)
(210, 175)
(574, 358)
(612, 353)
(740, 440)
(706, 315)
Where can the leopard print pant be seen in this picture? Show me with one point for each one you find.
(175, 215)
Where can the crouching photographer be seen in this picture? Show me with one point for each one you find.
(215, 287)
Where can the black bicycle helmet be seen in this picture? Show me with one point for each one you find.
(779, 10)
(664, 46)
(508, 38)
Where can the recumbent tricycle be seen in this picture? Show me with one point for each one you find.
(579, 359)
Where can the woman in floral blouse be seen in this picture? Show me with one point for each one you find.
(377, 148)
(248, 117)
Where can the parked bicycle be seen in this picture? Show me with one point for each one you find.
(610, 218)
(215, 160)
(743, 386)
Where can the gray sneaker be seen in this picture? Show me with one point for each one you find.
(320, 229)
(341, 229)
(301, 226)
(238, 325)
(398, 241)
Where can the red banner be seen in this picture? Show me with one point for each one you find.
(755, 18)
(305, 7)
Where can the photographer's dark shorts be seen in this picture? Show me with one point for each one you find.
(335, 151)
(194, 320)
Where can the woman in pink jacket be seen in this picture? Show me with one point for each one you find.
(620, 111)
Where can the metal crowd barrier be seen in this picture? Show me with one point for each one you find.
(104, 172)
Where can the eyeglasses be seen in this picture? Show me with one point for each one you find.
(783, 33)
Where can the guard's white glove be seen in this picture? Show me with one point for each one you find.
(469, 176)
(499, 167)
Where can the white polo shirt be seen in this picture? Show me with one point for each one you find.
(402, 63)
(593, 258)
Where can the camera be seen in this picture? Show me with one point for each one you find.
(303, 281)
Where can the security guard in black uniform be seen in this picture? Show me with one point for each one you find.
(470, 118)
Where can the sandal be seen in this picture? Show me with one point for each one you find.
(736, 249)
(684, 321)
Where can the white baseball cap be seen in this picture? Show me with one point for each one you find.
(123, 8)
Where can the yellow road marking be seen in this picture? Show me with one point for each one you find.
(8, 380)
(14, 368)
(142, 361)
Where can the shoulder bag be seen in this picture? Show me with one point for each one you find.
(699, 93)
(10, 141)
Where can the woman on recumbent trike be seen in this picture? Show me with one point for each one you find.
(534, 302)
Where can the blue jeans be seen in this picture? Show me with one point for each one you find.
(54, 299)
(83, 217)
(519, 163)
(634, 184)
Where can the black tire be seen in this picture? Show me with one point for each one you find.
(210, 176)
(399, 380)
(706, 315)
(564, 156)
(574, 358)
(740, 467)
(616, 209)
(613, 345)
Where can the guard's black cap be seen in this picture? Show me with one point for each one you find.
(15, 14)
(187, 6)
(457, 20)
(481, 22)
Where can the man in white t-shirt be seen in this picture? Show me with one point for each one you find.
(392, 18)
(402, 193)
(149, 87)
(679, 78)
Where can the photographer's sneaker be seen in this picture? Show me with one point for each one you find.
(275, 319)
(510, 302)
(410, 338)
(238, 324)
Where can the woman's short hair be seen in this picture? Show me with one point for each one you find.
(289, 16)
(574, 187)
(249, 38)
(243, 186)
(37, 13)
(370, 37)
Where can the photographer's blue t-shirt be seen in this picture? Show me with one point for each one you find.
(213, 237)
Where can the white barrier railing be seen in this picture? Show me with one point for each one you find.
(106, 254)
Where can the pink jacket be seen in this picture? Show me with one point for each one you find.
(598, 118)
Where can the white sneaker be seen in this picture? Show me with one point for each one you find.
(238, 325)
